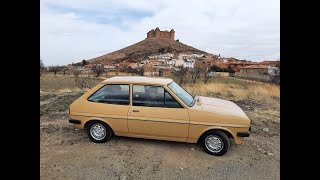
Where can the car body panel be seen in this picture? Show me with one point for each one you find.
(162, 122)
(114, 115)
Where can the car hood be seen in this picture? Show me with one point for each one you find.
(220, 106)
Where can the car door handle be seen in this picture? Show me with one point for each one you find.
(135, 110)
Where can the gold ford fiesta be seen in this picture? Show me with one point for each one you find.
(158, 108)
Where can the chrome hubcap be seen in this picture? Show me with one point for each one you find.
(98, 131)
(214, 143)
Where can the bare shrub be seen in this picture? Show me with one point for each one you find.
(181, 74)
(275, 75)
(206, 74)
(195, 74)
(98, 70)
(54, 69)
(64, 70)
(76, 73)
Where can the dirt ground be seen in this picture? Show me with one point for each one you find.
(67, 153)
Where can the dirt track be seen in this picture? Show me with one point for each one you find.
(67, 153)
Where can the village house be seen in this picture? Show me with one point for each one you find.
(162, 56)
(75, 67)
(149, 70)
(144, 62)
(133, 65)
(207, 62)
(254, 72)
(190, 56)
(270, 63)
(188, 63)
(89, 66)
(92, 66)
(179, 62)
(235, 66)
(171, 62)
(254, 69)
(109, 66)
(157, 62)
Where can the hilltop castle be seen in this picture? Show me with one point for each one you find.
(160, 34)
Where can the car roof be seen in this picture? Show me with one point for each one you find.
(138, 80)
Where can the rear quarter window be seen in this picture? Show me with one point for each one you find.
(112, 94)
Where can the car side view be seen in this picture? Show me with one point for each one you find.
(158, 108)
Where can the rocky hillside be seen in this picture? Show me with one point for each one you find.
(145, 48)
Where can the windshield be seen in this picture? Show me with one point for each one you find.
(181, 93)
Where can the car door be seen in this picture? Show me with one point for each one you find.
(111, 103)
(156, 114)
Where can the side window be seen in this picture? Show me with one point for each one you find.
(170, 102)
(112, 94)
(151, 96)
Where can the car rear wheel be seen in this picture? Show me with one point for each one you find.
(99, 132)
(215, 143)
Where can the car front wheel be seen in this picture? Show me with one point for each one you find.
(215, 143)
(99, 132)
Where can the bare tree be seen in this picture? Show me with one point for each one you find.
(64, 69)
(206, 74)
(181, 75)
(42, 68)
(98, 70)
(54, 69)
(41, 65)
(76, 72)
(84, 62)
(195, 74)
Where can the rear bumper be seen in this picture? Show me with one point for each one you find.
(244, 134)
(73, 121)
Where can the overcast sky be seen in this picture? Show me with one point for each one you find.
(72, 30)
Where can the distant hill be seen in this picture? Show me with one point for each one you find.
(145, 48)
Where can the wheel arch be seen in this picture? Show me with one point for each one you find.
(97, 120)
(224, 130)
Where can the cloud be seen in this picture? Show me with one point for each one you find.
(72, 30)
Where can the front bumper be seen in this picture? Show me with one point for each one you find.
(244, 134)
(73, 121)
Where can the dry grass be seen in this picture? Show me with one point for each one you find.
(264, 93)
(64, 83)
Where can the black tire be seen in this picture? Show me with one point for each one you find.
(107, 131)
(220, 137)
